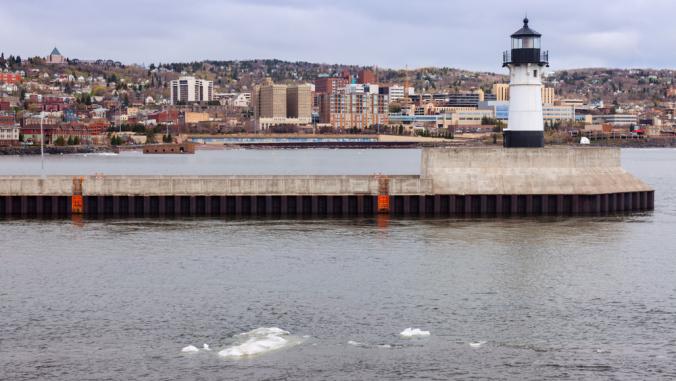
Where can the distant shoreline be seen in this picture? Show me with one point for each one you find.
(70, 150)
(53, 150)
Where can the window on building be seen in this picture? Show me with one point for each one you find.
(535, 73)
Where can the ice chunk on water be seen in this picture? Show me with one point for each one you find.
(414, 332)
(190, 348)
(355, 343)
(259, 341)
(477, 344)
(206, 347)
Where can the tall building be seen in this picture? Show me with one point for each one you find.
(191, 89)
(275, 105)
(355, 106)
(547, 95)
(270, 101)
(396, 92)
(501, 91)
(299, 102)
(326, 84)
(525, 62)
(366, 76)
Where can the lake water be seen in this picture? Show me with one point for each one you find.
(570, 298)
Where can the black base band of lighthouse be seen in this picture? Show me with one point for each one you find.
(524, 139)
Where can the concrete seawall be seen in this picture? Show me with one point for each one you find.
(452, 181)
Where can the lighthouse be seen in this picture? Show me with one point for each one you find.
(525, 61)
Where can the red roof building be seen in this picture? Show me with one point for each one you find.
(12, 78)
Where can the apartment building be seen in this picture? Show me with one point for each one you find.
(191, 89)
(355, 106)
(327, 84)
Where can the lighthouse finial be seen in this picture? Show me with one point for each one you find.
(525, 19)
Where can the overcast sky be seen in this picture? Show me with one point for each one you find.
(468, 34)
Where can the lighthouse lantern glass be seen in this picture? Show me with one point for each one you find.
(526, 43)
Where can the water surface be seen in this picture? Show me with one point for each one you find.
(571, 298)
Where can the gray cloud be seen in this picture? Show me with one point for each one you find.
(387, 33)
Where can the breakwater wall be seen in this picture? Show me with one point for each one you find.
(452, 181)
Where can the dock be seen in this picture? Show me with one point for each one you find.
(467, 181)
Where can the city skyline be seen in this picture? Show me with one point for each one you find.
(390, 34)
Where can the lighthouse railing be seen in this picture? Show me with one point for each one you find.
(522, 56)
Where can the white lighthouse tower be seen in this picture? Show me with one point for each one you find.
(525, 61)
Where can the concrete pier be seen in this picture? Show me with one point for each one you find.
(452, 182)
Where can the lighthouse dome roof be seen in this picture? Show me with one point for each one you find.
(525, 31)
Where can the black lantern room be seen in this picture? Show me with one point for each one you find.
(526, 48)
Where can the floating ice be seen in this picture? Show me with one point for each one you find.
(258, 341)
(206, 347)
(414, 332)
(355, 343)
(190, 348)
(476, 344)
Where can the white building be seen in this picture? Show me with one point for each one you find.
(396, 92)
(191, 89)
(526, 62)
(359, 88)
(234, 99)
(9, 133)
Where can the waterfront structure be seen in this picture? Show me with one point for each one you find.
(486, 181)
(525, 61)
(190, 89)
(55, 57)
